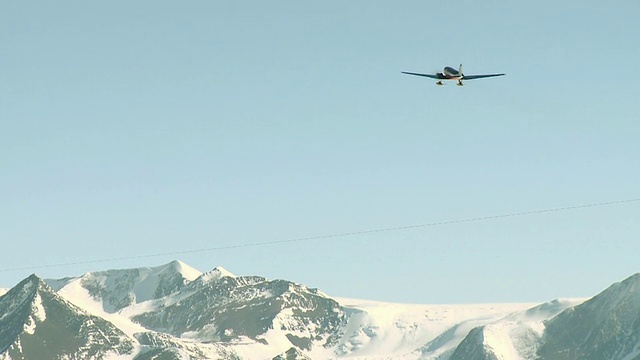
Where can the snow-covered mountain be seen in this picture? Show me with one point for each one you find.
(605, 327)
(176, 312)
(37, 323)
(515, 336)
(118, 289)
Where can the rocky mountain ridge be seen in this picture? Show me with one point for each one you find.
(36, 323)
(176, 312)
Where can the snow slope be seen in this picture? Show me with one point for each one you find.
(175, 311)
(388, 330)
(606, 326)
(37, 323)
(118, 289)
(372, 329)
(517, 336)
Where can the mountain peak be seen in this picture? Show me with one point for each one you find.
(34, 279)
(120, 288)
(37, 323)
(604, 327)
(174, 311)
(216, 274)
(26, 288)
(187, 271)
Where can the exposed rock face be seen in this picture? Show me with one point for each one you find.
(36, 323)
(605, 327)
(176, 312)
(228, 308)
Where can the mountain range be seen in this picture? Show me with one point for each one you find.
(176, 312)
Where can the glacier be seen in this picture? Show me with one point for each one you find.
(174, 311)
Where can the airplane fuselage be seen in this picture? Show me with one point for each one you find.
(449, 73)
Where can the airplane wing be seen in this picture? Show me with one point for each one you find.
(433, 76)
(471, 77)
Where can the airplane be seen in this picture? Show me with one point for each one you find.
(449, 73)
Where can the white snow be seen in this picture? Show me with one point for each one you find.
(389, 330)
(150, 278)
(187, 271)
(139, 285)
(497, 337)
(79, 296)
(374, 330)
(276, 343)
(37, 309)
(216, 274)
(516, 336)
(114, 356)
(3, 291)
(38, 315)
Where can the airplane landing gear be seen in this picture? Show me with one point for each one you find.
(459, 83)
(439, 83)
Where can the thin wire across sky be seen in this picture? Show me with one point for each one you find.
(325, 237)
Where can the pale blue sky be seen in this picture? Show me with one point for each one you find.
(133, 128)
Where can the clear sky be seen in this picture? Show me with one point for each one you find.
(140, 127)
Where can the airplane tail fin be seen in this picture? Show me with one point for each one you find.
(460, 70)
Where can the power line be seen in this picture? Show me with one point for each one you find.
(322, 237)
